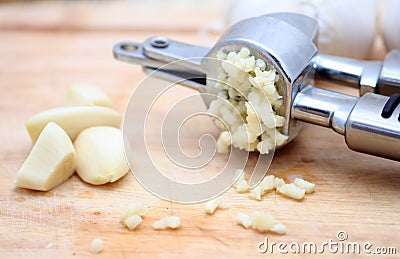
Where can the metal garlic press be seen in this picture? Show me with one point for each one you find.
(287, 41)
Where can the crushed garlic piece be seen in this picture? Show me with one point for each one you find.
(136, 208)
(266, 185)
(307, 186)
(256, 193)
(133, 222)
(224, 142)
(96, 246)
(213, 204)
(279, 229)
(241, 185)
(243, 220)
(249, 103)
(172, 222)
(262, 221)
(291, 191)
(278, 182)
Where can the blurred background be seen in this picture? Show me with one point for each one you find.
(352, 28)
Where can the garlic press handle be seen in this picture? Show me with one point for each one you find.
(166, 59)
(370, 124)
(369, 76)
(156, 52)
(373, 126)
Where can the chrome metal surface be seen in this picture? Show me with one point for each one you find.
(281, 42)
(133, 52)
(389, 80)
(368, 132)
(185, 80)
(323, 107)
(159, 42)
(190, 56)
(369, 76)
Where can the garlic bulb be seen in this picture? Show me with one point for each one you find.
(390, 24)
(346, 27)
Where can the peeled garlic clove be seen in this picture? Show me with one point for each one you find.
(51, 161)
(100, 155)
(86, 95)
(73, 119)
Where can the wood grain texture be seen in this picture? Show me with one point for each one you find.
(356, 193)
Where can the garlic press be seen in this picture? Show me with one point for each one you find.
(287, 41)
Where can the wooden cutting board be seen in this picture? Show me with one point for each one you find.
(44, 47)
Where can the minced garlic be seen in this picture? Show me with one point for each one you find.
(278, 182)
(307, 186)
(262, 221)
(131, 216)
(136, 208)
(243, 220)
(278, 229)
(291, 191)
(241, 184)
(212, 205)
(96, 246)
(267, 184)
(133, 222)
(249, 103)
(172, 222)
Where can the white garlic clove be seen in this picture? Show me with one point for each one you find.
(51, 161)
(81, 94)
(100, 155)
(73, 119)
